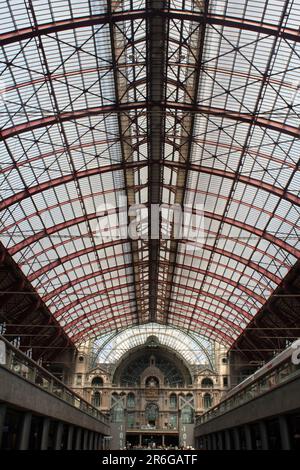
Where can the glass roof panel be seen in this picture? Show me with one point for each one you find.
(98, 115)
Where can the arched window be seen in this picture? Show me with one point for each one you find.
(96, 399)
(118, 414)
(187, 415)
(117, 408)
(130, 420)
(130, 400)
(173, 401)
(97, 382)
(207, 401)
(207, 383)
(152, 413)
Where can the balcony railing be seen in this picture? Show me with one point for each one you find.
(284, 373)
(20, 364)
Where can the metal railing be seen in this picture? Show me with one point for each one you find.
(284, 373)
(20, 364)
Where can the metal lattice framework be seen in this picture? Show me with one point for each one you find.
(151, 102)
(110, 347)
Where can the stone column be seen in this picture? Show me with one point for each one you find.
(78, 439)
(227, 440)
(70, 437)
(219, 441)
(25, 431)
(85, 439)
(91, 440)
(248, 437)
(284, 433)
(263, 436)
(45, 434)
(58, 436)
(214, 442)
(98, 441)
(236, 439)
(3, 409)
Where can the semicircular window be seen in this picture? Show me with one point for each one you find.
(173, 377)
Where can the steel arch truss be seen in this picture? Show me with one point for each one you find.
(111, 104)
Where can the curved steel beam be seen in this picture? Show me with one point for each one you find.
(210, 314)
(205, 313)
(31, 191)
(227, 220)
(71, 256)
(87, 196)
(215, 333)
(125, 266)
(240, 242)
(168, 139)
(272, 189)
(75, 282)
(94, 275)
(50, 207)
(58, 151)
(59, 313)
(100, 310)
(124, 107)
(221, 278)
(86, 21)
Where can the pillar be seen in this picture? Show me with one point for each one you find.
(219, 441)
(98, 442)
(91, 440)
(209, 442)
(45, 434)
(227, 440)
(263, 436)
(214, 442)
(78, 439)
(140, 439)
(95, 441)
(85, 439)
(248, 437)
(163, 440)
(236, 439)
(284, 433)
(25, 431)
(3, 409)
(70, 437)
(58, 436)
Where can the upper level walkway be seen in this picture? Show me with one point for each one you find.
(38, 411)
(263, 412)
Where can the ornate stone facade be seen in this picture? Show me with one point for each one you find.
(151, 389)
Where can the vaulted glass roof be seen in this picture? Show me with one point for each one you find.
(111, 347)
(107, 104)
